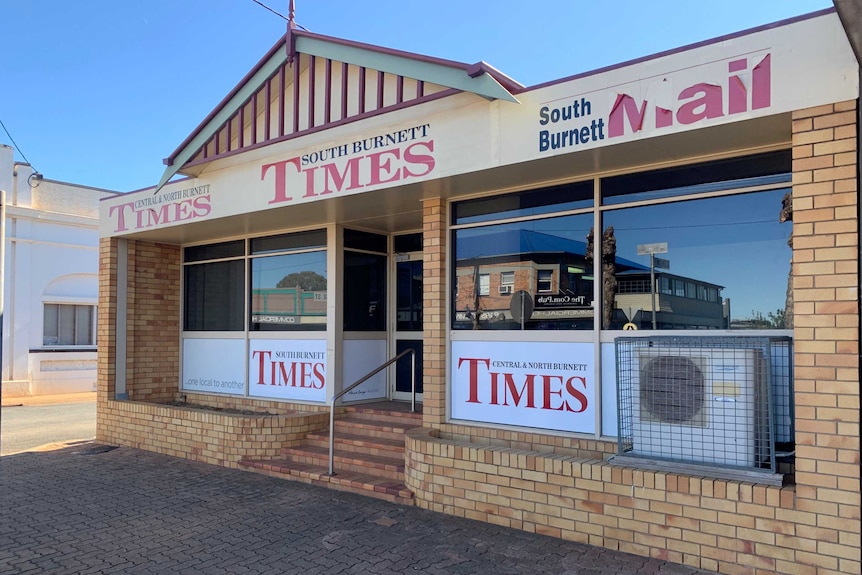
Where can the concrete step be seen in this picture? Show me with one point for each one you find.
(354, 482)
(346, 460)
(358, 443)
(377, 413)
(352, 425)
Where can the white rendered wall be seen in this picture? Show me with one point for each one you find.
(51, 235)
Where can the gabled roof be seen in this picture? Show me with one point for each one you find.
(308, 82)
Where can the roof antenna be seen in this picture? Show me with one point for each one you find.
(290, 44)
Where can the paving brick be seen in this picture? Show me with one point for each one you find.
(129, 511)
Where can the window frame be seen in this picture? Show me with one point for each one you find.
(92, 320)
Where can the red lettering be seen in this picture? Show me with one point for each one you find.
(280, 178)
(709, 105)
(526, 389)
(577, 394)
(547, 380)
(288, 377)
(263, 355)
(330, 172)
(737, 94)
(422, 159)
(202, 206)
(473, 375)
(377, 167)
(121, 215)
(319, 374)
(761, 84)
(184, 211)
(625, 107)
(305, 371)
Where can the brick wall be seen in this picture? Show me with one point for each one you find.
(153, 321)
(434, 313)
(207, 436)
(560, 486)
(826, 292)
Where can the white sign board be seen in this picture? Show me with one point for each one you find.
(287, 369)
(529, 384)
(214, 366)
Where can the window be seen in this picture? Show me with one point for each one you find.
(68, 325)
(214, 295)
(285, 289)
(544, 280)
(507, 282)
(719, 219)
(546, 257)
(364, 281)
(730, 248)
(288, 282)
(288, 292)
(484, 284)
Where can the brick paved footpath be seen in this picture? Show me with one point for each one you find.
(82, 509)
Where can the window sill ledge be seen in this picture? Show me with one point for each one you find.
(708, 471)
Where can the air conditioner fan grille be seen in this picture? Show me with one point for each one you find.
(672, 389)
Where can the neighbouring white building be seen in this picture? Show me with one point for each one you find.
(51, 282)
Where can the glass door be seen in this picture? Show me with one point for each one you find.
(408, 323)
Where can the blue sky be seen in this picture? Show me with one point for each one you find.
(98, 92)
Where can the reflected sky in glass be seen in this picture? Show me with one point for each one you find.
(267, 272)
(733, 241)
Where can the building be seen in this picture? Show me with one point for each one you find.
(347, 203)
(51, 282)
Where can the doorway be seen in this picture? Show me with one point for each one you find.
(408, 323)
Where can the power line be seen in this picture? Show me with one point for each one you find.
(279, 14)
(11, 139)
(259, 3)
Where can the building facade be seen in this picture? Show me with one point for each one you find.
(51, 282)
(559, 259)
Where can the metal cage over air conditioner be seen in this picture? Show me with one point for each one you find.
(715, 400)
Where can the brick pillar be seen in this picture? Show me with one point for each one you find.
(106, 333)
(826, 334)
(434, 312)
(153, 320)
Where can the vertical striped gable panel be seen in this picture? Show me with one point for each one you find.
(310, 94)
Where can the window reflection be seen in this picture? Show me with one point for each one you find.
(289, 292)
(527, 275)
(729, 263)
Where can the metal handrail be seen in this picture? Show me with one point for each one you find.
(361, 380)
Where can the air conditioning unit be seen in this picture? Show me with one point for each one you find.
(504, 289)
(700, 405)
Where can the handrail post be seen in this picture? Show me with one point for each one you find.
(331, 436)
(413, 381)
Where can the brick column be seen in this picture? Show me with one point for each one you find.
(434, 312)
(153, 340)
(106, 332)
(826, 334)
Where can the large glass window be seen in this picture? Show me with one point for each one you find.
(286, 289)
(214, 296)
(68, 325)
(729, 259)
(544, 260)
(288, 292)
(726, 265)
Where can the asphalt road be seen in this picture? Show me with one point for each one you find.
(24, 427)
